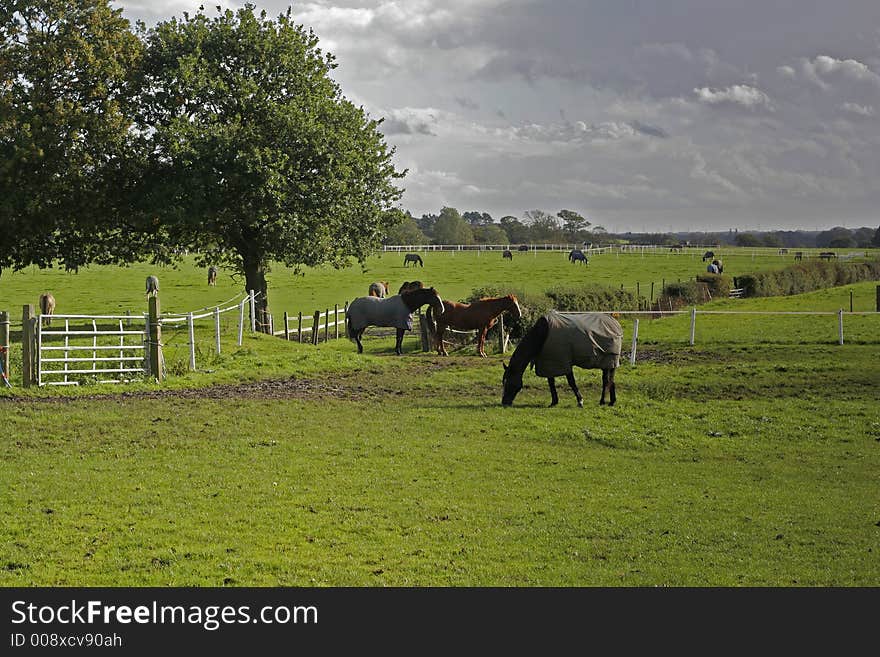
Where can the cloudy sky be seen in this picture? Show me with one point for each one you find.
(641, 115)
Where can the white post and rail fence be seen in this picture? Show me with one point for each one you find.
(70, 349)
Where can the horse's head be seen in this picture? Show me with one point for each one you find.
(515, 310)
(435, 301)
(511, 384)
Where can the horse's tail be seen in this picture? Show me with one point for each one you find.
(348, 331)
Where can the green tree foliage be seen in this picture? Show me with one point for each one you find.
(516, 231)
(450, 228)
(64, 132)
(544, 227)
(490, 234)
(572, 224)
(876, 240)
(748, 239)
(406, 231)
(253, 153)
(838, 237)
(477, 218)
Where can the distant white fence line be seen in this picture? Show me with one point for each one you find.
(642, 249)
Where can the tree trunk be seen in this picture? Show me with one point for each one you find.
(255, 279)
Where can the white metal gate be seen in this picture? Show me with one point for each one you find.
(108, 348)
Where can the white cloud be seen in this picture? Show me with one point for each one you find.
(861, 110)
(738, 94)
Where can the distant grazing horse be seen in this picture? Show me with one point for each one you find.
(476, 316)
(152, 286)
(708, 255)
(212, 275)
(414, 258)
(393, 311)
(576, 255)
(507, 255)
(559, 341)
(798, 255)
(379, 289)
(47, 307)
(409, 286)
(827, 255)
(523, 247)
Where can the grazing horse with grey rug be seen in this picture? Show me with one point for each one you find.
(559, 341)
(393, 311)
(576, 255)
(414, 258)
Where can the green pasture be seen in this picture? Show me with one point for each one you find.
(748, 459)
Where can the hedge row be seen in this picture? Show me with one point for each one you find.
(580, 298)
(807, 277)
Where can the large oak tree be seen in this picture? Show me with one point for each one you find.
(253, 155)
(64, 132)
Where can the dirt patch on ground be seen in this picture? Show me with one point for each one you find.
(357, 386)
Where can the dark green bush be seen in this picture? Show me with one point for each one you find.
(718, 285)
(807, 277)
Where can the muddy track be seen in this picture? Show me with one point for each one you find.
(346, 386)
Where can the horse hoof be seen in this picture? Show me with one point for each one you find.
(580, 403)
(602, 402)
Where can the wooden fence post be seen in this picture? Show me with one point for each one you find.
(501, 333)
(336, 321)
(27, 345)
(190, 323)
(241, 320)
(840, 326)
(693, 323)
(315, 326)
(299, 327)
(878, 298)
(327, 325)
(4, 346)
(632, 353)
(286, 327)
(155, 342)
(253, 307)
(217, 327)
(423, 332)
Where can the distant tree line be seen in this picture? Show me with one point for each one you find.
(569, 227)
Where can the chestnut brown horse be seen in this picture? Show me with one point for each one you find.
(477, 316)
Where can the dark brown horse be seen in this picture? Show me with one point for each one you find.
(507, 255)
(596, 347)
(393, 311)
(477, 316)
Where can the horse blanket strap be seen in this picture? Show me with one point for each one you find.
(373, 311)
(588, 340)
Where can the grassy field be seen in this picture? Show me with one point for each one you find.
(748, 459)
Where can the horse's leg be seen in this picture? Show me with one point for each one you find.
(569, 376)
(441, 331)
(554, 396)
(608, 384)
(397, 347)
(481, 347)
(357, 338)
